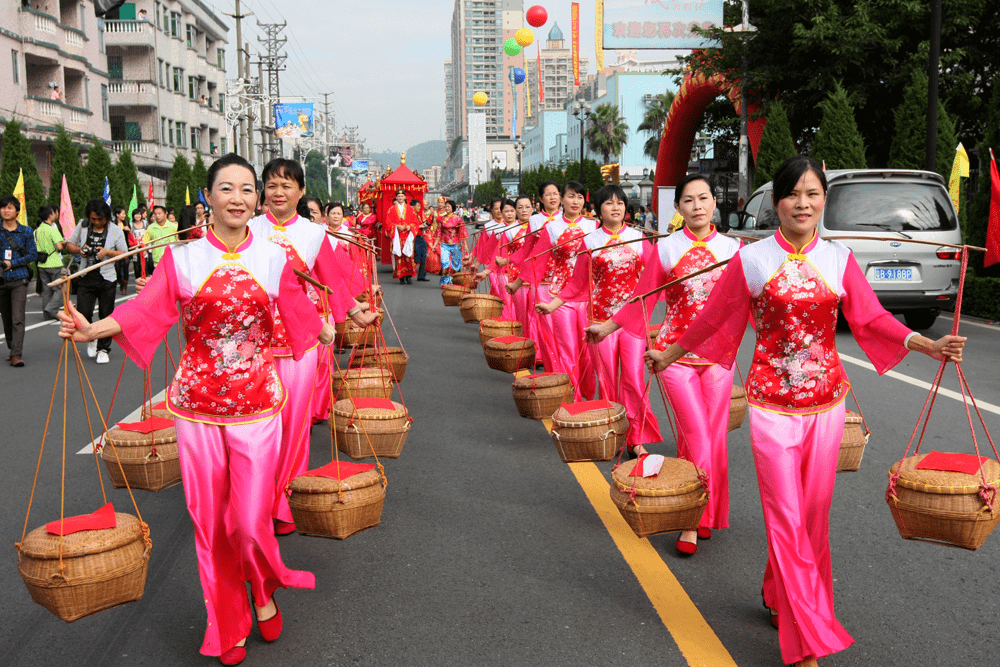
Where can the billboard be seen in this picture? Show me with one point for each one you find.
(658, 24)
(359, 166)
(341, 156)
(292, 121)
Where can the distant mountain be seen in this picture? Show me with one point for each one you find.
(419, 157)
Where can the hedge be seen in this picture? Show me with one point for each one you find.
(981, 297)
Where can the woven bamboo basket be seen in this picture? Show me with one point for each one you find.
(103, 568)
(452, 294)
(479, 307)
(538, 396)
(385, 429)
(389, 358)
(490, 328)
(162, 413)
(362, 383)
(852, 445)
(737, 407)
(510, 354)
(943, 507)
(317, 509)
(594, 435)
(464, 278)
(674, 500)
(352, 333)
(149, 460)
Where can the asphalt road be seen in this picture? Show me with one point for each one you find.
(489, 551)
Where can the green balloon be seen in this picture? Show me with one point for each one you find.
(511, 47)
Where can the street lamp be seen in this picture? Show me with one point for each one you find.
(581, 110)
(519, 148)
(745, 30)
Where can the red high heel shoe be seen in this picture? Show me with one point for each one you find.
(234, 656)
(687, 548)
(282, 528)
(270, 629)
(704, 533)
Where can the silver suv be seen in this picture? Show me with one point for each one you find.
(913, 279)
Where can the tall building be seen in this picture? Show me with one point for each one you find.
(54, 73)
(558, 85)
(166, 63)
(479, 29)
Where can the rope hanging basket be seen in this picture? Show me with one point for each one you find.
(652, 331)
(479, 307)
(943, 507)
(362, 383)
(352, 333)
(737, 407)
(672, 501)
(363, 430)
(538, 396)
(452, 294)
(490, 328)
(326, 507)
(101, 568)
(589, 431)
(393, 359)
(510, 353)
(852, 445)
(149, 461)
(464, 278)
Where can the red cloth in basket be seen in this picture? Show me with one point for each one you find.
(509, 339)
(147, 425)
(586, 406)
(99, 520)
(949, 462)
(340, 470)
(381, 403)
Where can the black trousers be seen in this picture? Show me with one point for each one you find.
(94, 289)
(420, 256)
(13, 295)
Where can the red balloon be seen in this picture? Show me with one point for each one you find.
(537, 16)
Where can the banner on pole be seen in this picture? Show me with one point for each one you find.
(576, 43)
(642, 24)
(292, 121)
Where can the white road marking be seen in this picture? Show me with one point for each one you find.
(981, 325)
(983, 405)
(48, 322)
(135, 415)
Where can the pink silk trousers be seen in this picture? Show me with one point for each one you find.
(565, 345)
(228, 474)
(796, 458)
(539, 327)
(498, 287)
(299, 379)
(321, 393)
(621, 378)
(522, 314)
(699, 396)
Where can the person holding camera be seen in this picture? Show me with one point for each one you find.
(17, 250)
(96, 239)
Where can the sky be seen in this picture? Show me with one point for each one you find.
(383, 60)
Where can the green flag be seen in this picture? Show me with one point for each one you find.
(134, 204)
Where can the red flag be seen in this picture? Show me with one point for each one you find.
(993, 228)
(149, 202)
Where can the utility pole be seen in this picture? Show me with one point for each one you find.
(274, 62)
(326, 139)
(249, 135)
(238, 17)
(743, 189)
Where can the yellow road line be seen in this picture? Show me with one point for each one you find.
(695, 638)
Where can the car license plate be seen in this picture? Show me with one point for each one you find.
(894, 274)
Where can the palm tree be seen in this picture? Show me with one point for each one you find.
(653, 120)
(607, 132)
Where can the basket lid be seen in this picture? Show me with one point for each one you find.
(542, 380)
(509, 342)
(312, 484)
(379, 407)
(677, 477)
(358, 373)
(455, 288)
(39, 544)
(942, 481)
(470, 298)
(588, 411)
(851, 417)
(737, 392)
(124, 438)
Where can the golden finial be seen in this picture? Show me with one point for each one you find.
(402, 158)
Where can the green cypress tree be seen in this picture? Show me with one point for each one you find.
(909, 142)
(775, 144)
(126, 181)
(180, 179)
(66, 161)
(199, 176)
(97, 168)
(17, 158)
(838, 141)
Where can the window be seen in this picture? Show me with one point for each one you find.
(86, 92)
(170, 132)
(175, 20)
(195, 138)
(163, 130)
(180, 134)
(192, 87)
(163, 79)
(104, 102)
(223, 141)
(222, 103)
(178, 79)
(100, 35)
(192, 36)
(83, 18)
(156, 13)
(116, 67)
(13, 60)
(221, 59)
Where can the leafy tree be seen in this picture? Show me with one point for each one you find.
(180, 180)
(838, 142)
(199, 176)
(66, 161)
(488, 191)
(592, 178)
(316, 176)
(909, 140)
(17, 158)
(126, 181)
(652, 123)
(775, 144)
(97, 168)
(607, 132)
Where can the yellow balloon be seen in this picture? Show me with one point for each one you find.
(524, 37)
(480, 99)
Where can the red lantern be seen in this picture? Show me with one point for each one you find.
(537, 16)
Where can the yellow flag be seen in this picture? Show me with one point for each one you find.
(676, 222)
(959, 170)
(187, 196)
(22, 217)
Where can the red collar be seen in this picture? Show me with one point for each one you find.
(711, 235)
(789, 248)
(218, 243)
(287, 223)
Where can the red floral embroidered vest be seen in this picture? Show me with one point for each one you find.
(616, 269)
(686, 299)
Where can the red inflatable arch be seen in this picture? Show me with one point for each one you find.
(695, 94)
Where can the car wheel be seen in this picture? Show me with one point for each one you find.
(920, 319)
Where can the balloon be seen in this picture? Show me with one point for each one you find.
(524, 37)
(518, 75)
(537, 16)
(480, 99)
(511, 47)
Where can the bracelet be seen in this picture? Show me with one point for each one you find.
(354, 311)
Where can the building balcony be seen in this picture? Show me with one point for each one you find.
(58, 113)
(142, 149)
(129, 33)
(48, 31)
(132, 93)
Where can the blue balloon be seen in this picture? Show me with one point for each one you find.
(518, 75)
